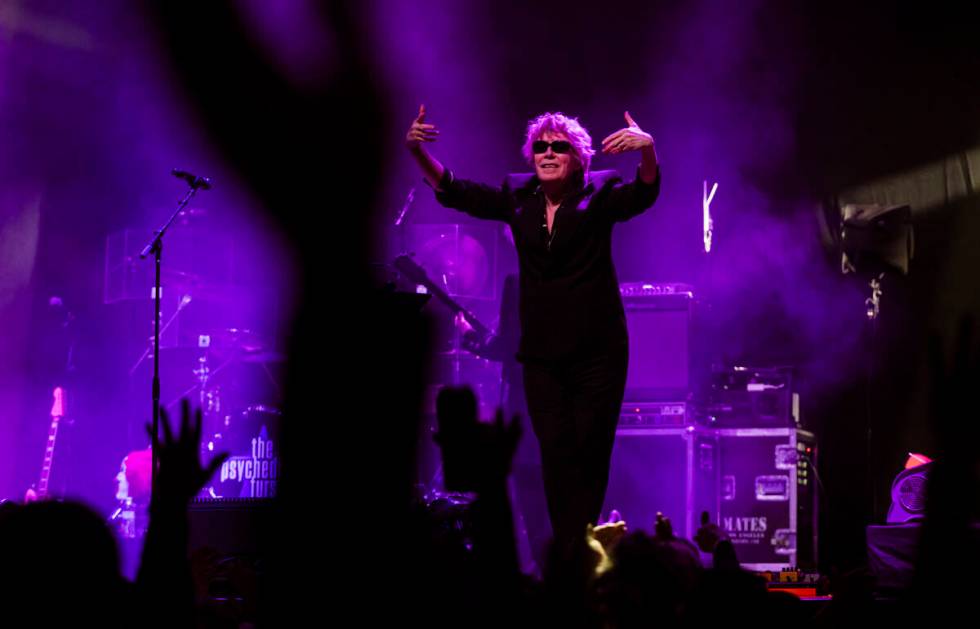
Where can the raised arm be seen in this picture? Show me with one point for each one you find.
(476, 199)
(419, 133)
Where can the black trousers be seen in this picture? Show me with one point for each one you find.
(574, 407)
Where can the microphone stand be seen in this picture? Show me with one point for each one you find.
(400, 222)
(155, 246)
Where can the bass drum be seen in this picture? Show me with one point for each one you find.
(251, 438)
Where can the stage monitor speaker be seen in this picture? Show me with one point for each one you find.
(242, 526)
(909, 495)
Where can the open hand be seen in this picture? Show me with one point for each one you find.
(631, 138)
(420, 132)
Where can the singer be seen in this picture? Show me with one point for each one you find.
(573, 343)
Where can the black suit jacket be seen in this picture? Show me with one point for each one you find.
(569, 294)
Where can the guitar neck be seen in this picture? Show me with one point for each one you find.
(42, 486)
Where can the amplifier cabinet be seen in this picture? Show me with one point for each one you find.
(670, 469)
(767, 497)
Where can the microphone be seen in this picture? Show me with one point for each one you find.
(204, 183)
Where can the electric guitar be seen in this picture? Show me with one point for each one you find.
(57, 412)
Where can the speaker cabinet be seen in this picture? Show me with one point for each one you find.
(672, 470)
(659, 347)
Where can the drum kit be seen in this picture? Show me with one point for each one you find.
(231, 372)
(232, 422)
(234, 419)
(454, 265)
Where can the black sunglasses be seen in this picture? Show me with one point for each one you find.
(558, 146)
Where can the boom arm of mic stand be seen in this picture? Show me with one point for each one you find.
(158, 234)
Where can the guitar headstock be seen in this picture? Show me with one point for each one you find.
(58, 404)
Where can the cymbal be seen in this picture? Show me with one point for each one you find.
(263, 357)
(189, 286)
(235, 344)
(243, 345)
(456, 261)
(236, 338)
(465, 353)
(176, 275)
